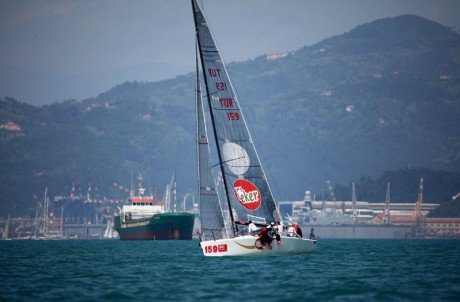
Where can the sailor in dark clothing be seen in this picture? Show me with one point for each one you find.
(265, 236)
(312, 233)
(275, 234)
(298, 230)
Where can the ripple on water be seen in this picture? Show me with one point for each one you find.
(112, 270)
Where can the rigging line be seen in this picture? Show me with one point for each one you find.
(250, 166)
(226, 109)
(225, 161)
(210, 94)
(224, 139)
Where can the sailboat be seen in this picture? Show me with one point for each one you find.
(6, 230)
(246, 193)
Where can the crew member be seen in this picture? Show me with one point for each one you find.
(252, 228)
(298, 231)
(265, 238)
(290, 232)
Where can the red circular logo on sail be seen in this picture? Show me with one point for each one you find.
(247, 194)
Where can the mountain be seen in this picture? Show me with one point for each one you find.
(381, 97)
(46, 87)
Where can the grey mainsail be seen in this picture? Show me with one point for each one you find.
(212, 222)
(246, 188)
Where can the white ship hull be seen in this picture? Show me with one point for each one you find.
(246, 246)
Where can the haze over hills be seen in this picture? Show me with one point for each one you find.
(45, 87)
(383, 96)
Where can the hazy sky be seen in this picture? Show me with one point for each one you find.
(52, 50)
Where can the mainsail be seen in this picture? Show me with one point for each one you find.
(212, 222)
(246, 187)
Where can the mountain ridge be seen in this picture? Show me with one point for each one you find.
(335, 110)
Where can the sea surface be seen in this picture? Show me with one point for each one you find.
(339, 270)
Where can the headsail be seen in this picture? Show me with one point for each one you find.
(246, 187)
(6, 229)
(212, 222)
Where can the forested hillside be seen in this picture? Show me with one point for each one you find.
(384, 96)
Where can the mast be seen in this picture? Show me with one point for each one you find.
(36, 224)
(62, 218)
(174, 192)
(45, 214)
(420, 228)
(131, 192)
(170, 195)
(213, 122)
(386, 211)
(353, 198)
(212, 221)
(166, 198)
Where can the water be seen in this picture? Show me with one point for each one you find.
(112, 270)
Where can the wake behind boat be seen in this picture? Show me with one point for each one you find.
(246, 193)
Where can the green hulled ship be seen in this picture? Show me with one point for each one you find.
(148, 219)
(163, 226)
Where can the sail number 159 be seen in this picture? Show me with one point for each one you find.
(233, 116)
(216, 248)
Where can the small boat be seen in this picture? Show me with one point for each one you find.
(6, 230)
(245, 192)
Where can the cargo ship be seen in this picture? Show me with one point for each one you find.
(145, 218)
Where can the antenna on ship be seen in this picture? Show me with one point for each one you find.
(140, 188)
(150, 186)
(131, 192)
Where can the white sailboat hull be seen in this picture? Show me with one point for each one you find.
(246, 246)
